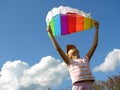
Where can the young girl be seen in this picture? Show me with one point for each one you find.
(79, 68)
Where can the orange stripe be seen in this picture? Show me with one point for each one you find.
(79, 23)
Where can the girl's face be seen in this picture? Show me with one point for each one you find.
(73, 53)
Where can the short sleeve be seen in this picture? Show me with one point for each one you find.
(86, 58)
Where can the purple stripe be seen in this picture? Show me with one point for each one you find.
(64, 25)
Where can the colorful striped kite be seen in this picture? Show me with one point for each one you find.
(67, 20)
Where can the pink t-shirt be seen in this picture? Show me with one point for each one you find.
(79, 70)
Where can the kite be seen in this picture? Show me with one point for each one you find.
(66, 20)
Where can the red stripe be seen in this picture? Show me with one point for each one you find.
(71, 22)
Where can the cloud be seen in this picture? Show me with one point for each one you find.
(18, 75)
(111, 62)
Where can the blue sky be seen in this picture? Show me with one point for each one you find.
(24, 39)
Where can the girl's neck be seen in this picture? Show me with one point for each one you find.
(75, 57)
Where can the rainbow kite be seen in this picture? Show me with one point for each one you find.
(67, 20)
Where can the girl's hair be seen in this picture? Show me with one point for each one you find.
(69, 46)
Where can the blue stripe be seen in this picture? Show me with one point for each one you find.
(57, 25)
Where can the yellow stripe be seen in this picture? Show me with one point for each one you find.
(88, 23)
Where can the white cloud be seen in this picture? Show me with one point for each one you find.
(111, 62)
(18, 75)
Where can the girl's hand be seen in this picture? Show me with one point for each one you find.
(49, 30)
(96, 23)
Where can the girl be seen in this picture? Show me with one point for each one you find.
(79, 68)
